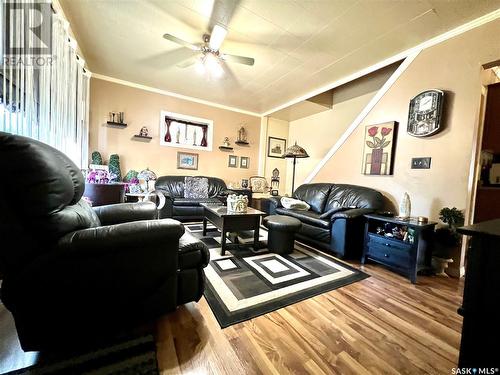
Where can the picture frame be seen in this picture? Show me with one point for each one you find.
(232, 161)
(244, 162)
(274, 193)
(276, 147)
(187, 160)
(379, 148)
(184, 131)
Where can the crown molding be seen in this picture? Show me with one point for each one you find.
(172, 94)
(400, 56)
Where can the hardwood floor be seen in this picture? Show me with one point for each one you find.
(381, 325)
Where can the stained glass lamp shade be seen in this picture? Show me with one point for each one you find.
(295, 152)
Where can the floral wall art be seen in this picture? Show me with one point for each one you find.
(378, 153)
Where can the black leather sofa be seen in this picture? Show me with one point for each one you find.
(74, 275)
(187, 209)
(335, 220)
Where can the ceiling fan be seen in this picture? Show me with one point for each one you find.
(210, 56)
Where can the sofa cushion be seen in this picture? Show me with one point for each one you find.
(307, 217)
(315, 233)
(314, 194)
(342, 195)
(195, 187)
(193, 201)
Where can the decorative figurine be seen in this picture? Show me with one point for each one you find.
(405, 207)
(226, 142)
(242, 135)
(144, 132)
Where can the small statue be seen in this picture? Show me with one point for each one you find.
(144, 132)
(226, 142)
(242, 135)
(405, 207)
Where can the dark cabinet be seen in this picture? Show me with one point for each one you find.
(407, 255)
(480, 307)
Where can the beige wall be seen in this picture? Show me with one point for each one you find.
(319, 132)
(142, 108)
(453, 66)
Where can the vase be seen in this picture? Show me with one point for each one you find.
(376, 165)
(204, 138)
(168, 137)
(405, 206)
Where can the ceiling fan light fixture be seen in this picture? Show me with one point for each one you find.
(212, 65)
(199, 66)
(217, 37)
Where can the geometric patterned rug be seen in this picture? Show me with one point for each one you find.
(244, 284)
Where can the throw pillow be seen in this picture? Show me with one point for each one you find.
(195, 187)
(294, 204)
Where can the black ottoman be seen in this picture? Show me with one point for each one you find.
(281, 235)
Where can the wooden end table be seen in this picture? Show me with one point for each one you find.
(229, 222)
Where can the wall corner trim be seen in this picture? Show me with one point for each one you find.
(172, 94)
(359, 119)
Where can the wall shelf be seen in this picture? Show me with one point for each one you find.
(146, 137)
(117, 124)
(242, 143)
(225, 148)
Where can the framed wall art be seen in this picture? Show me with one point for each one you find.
(233, 161)
(244, 162)
(186, 160)
(276, 147)
(183, 131)
(379, 148)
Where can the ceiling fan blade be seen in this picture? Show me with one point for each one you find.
(174, 39)
(239, 59)
(230, 74)
(188, 63)
(217, 37)
(168, 59)
(222, 12)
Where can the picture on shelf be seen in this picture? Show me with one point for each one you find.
(379, 148)
(244, 162)
(233, 161)
(276, 147)
(182, 131)
(186, 160)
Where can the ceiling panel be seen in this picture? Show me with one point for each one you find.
(298, 45)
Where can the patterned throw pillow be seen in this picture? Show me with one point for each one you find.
(195, 187)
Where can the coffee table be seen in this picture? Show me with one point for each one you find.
(229, 222)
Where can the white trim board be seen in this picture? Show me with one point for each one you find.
(359, 119)
(172, 94)
(400, 56)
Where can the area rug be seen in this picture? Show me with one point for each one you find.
(130, 357)
(244, 284)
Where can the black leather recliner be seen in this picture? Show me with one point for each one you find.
(188, 209)
(335, 220)
(76, 274)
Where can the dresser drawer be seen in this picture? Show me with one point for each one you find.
(388, 242)
(389, 252)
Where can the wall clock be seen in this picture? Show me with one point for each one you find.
(424, 116)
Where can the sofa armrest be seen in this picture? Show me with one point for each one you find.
(271, 204)
(115, 238)
(351, 214)
(125, 212)
(226, 193)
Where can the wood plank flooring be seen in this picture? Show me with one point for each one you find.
(381, 325)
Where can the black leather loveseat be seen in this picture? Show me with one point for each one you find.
(73, 275)
(187, 209)
(335, 220)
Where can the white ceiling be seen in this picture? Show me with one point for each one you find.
(298, 46)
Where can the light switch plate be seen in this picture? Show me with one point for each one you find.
(420, 163)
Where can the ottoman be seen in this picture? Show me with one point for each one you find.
(281, 234)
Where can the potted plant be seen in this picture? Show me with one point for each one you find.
(447, 241)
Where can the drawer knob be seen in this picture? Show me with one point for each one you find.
(387, 244)
(386, 255)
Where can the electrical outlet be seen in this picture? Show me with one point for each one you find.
(420, 163)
